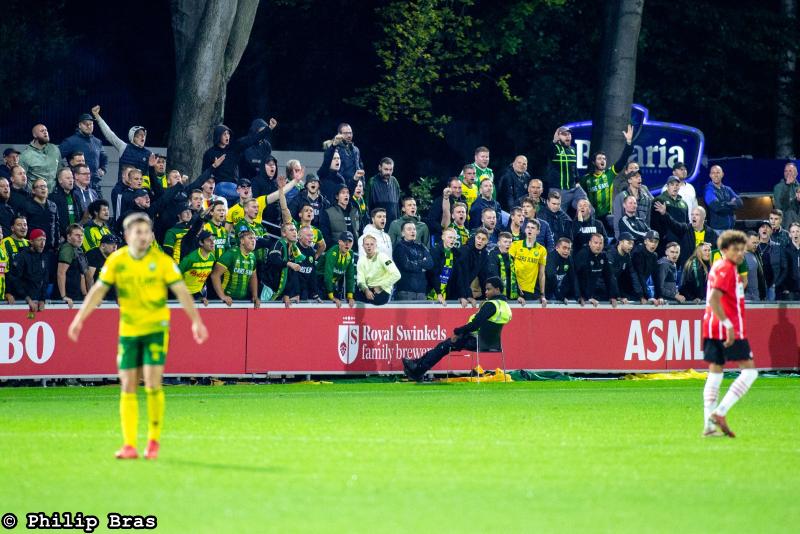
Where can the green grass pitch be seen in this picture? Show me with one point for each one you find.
(612, 456)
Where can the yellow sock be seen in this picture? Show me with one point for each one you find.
(129, 417)
(155, 413)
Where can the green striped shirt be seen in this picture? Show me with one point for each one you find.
(600, 190)
(239, 270)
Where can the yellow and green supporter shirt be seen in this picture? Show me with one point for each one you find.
(238, 271)
(141, 289)
(338, 266)
(92, 234)
(4, 264)
(196, 268)
(12, 246)
(173, 239)
(221, 238)
(236, 212)
(527, 262)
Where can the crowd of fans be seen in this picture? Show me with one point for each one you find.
(245, 231)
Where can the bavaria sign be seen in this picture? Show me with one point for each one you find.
(656, 146)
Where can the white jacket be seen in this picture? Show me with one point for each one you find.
(383, 239)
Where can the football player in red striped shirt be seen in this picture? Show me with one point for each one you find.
(724, 334)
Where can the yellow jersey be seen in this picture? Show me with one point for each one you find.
(236, 212)
(141, 289)
(470, 194)
(527, 262)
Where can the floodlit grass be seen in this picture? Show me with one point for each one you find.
(558, 456)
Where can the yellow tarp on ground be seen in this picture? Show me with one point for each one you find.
(498, 376)
(674, 375)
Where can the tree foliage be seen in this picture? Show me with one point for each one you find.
(434, 48)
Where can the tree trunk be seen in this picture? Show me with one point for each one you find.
(210, 38)
(784, 123)
(612, 112)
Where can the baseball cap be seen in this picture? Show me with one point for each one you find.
(312, 177)
(562, 129)
(10, 150)
(346, 236)
(36, 233)
(109, 239)
(244, 182)
(203, 235)
(625, 236)
(679, 165)
(139, 193)
(764, 223)
(673, 178)
(85, 117)
(652, 235)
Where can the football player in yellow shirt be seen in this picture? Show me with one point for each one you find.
(141, 275)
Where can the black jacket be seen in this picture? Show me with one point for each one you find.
(7, 213)
(560, 223)
(595, 276)
(561, 280)
(319, 204)
(582, 232)
(790, 280)
(511, 186)
(636, 226)
(228, 171)
(61, 199)
(44, 217)
(477, 208)
(666, 282)
(255, 156)
(693, 280)
(412, 260)
(434, 218)
(688, 246)
(29, 275)
(470, 263)
(628, 283)
(333, 222)
(645, 266)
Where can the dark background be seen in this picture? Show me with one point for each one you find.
(711, 64)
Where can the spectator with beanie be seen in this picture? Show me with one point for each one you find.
(131, 153)
(310, 195)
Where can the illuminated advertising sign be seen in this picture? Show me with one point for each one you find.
(657, 146)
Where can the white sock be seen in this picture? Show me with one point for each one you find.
(710, 394)
(737, 390)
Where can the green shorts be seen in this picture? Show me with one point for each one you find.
(149, 349)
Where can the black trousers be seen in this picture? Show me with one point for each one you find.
(379, 300)
(433, 356)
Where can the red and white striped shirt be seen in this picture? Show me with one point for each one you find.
(724, 276)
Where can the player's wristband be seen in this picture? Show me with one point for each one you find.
(727, 323)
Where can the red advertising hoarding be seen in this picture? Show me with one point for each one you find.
(321, 339)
